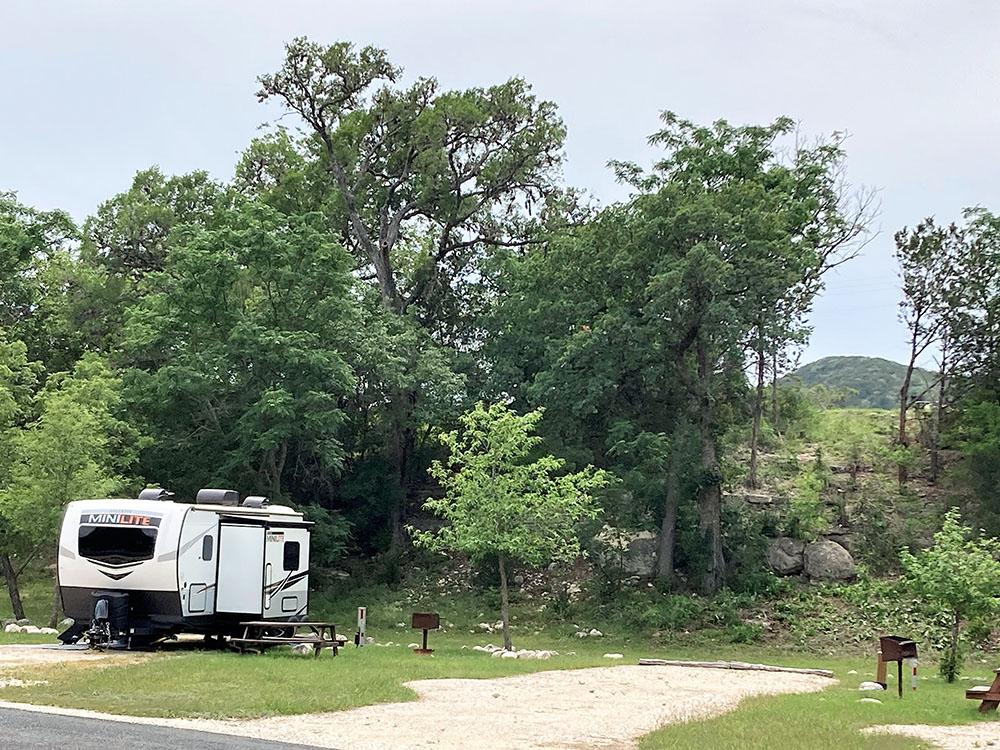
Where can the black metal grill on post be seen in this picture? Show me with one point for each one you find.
(898, 649)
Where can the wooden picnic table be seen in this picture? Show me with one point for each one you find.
(262, 634)
(990, 696)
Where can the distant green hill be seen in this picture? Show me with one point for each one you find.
(870, 382)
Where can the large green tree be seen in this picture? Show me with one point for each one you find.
(17, 382)
(421, 184)
(930, 261)
(642, 319)
(78, 447)
(239, 353)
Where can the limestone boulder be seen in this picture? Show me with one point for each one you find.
(828, 561)
(635, 551)
(785, 556)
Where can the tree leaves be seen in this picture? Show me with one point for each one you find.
(503, 499)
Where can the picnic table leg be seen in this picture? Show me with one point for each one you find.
(986, 706)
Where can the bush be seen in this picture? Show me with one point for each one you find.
(330, 535)
(745, 538)
(807, 516)
(744, 632)
(671, 612)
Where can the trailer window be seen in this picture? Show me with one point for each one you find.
(291, 561)
(117, 544)
(206, 547)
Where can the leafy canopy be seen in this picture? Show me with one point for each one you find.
(77, 448)
(500, 500)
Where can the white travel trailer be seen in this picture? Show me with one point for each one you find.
(165, 567)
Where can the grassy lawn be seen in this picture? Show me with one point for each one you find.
(829, 720)
(214, 685)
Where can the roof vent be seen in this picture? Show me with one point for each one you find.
(156, 493)
(218, 497)
(255, 501)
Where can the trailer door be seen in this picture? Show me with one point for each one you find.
(286, 572)
(241, 569)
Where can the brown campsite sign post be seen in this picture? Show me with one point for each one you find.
(425, 621)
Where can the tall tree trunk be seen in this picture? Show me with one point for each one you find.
(902, 438)
(405, 446)
(56, 607)
(758, 413)
(774, 389)
(902, 474)
(935, 447)
(10, 576)
(710, 491)
(668, 528)
(504, 604)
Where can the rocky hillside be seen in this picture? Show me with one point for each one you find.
(866, 382)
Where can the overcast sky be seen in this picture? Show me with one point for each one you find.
(96, 90)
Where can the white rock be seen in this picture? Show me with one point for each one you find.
(482, 649)
(508, 654)
(400, 624)
(12, 628)
(595, 633)
(614, 656)
(48, 631)
(302, 649)
(581, 634)
(865, 686)
(870, 700)
(485, 627)
(31, 630)
(499, 653)
(852, 671)
(413, 645)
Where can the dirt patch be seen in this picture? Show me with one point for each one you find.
(967, 737)
(13, 656)
(609, 707)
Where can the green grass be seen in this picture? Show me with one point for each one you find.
(830, 720)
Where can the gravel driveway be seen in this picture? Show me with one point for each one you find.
(607, 707)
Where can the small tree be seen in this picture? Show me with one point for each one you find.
(503, 504)
(959, 575)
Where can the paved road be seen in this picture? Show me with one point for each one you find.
(30, 730)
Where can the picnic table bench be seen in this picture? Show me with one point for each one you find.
(990, 696)
(261, 634)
